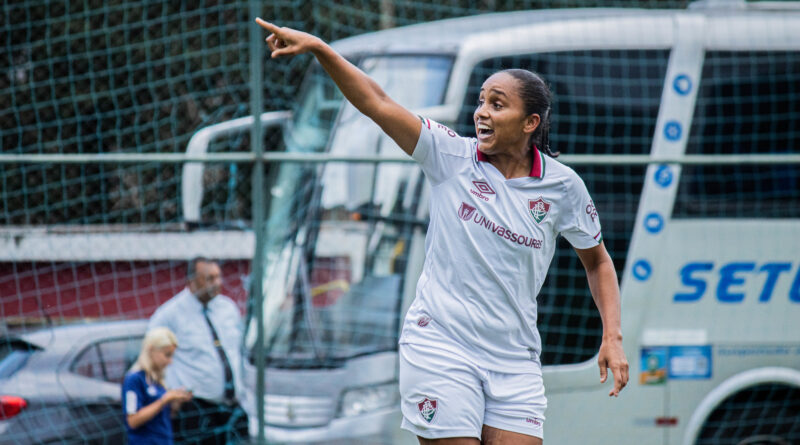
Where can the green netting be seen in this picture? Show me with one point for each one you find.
(748, 102)
(142, 77)
(107, 77)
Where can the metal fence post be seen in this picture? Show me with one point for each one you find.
(257, 194)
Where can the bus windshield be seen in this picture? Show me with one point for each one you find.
(338, 234)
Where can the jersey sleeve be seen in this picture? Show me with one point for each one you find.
(440, 152)
(132, 392)
(579, 223)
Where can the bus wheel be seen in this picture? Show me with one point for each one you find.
(764, 414)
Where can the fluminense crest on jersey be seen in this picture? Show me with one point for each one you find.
(427, 408)
(538, 208)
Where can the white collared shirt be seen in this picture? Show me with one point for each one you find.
(196, 365)
(489, 245)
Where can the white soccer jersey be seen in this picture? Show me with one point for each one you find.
(489, 245)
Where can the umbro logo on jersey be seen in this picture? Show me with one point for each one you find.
(449, 132)
(591, 210)
(483, 189)
(533, 420)
(539, 209)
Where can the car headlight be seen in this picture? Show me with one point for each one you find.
(364, 399)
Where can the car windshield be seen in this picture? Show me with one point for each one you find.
(337, 234)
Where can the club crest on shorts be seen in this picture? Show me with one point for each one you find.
(466, 210)
(538, 208)
(427, 408)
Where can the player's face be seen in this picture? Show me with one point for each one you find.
(500, 120)
(162, 357)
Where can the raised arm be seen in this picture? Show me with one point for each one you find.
(603, 283)
(366, 95)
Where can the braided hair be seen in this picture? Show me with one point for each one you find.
(536, 96)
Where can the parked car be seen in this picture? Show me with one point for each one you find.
(62, 384)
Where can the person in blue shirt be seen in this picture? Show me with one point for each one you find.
(147, 404)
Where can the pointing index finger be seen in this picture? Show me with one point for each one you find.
(267, 25)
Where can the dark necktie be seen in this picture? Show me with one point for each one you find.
(230, 393)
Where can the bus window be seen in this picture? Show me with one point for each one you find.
(748, 103)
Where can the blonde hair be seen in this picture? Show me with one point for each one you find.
(156, 338)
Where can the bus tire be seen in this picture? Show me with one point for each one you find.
(762, 414)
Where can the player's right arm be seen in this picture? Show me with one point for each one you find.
(363, 92)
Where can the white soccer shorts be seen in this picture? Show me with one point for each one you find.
(446, 395)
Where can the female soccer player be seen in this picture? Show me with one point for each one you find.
(146, 403)
(469, 350)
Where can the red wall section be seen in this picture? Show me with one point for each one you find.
(123, 289)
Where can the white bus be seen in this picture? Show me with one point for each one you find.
(707, 253)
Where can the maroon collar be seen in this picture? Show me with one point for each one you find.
(537, 169)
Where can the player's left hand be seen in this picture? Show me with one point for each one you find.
(612, 357)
